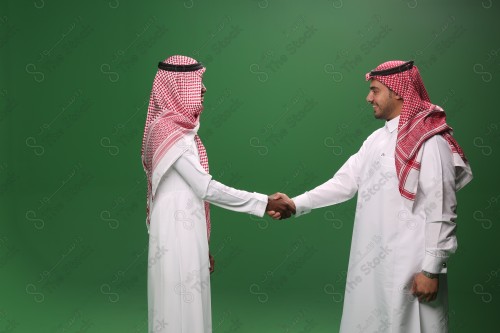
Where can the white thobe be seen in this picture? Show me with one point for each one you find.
(178, 265)
(391, 243)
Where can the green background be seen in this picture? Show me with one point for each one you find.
(285, 108)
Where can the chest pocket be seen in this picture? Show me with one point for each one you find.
(388, 168)
(387, 161)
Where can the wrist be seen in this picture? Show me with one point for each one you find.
(430, 275)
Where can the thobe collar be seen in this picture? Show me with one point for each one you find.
(392, 124)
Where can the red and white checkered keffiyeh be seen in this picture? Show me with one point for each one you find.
(174, 109)
(419, 120)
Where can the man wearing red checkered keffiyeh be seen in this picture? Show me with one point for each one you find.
(419, 120)
(180, 189)
(174, 109)
(405, 175)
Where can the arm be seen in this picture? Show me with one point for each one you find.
(437, 183)
(343, 186)
(437, 193)
(190, 169)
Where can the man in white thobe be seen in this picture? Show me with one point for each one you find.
(180, 189)
(406, 175)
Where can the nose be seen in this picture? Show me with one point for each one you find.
(369, 97)
(203, 88)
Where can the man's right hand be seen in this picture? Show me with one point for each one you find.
(280, 206)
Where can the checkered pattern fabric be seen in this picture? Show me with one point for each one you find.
(419, 120)
(174, 109)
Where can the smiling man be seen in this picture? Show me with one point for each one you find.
(386, 103)
(406, 175)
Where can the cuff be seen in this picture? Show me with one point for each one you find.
(259, 208)
(302, 204)
(436, 265)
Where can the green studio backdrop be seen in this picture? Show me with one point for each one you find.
(285, 108)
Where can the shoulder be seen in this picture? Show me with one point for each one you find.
(438, 144)
(372, 137)
(437, 149)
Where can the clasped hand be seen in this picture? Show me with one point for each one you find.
(280, 206)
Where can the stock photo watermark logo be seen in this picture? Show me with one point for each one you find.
(219, 111)
(10, 104)
(336, 293)
(488, 65)
(486, 215)
(7, 324)
(457, 105)
(295, 182)
(156, 252)
(8, 250)
(374, 186)
(51, 132)
(52, 205)
(155, 322)
(369, 37)
(491, 136)
(195, 283)
(300, 177)
(362, 264)
(125, 279)
(273, 282)
(296, 109)
(225, 252)
(345, 134)
(263, 4)
(378, 321)
(272, 62)
(123, 133)
(450, 321)
(126, 58)
(77, 321)
(124, 206)
(366, 262)
(299, 322)
(487, 287)
(8, 178)
(335, 218)
(54, 277)
(444, 36)
(228, 173)
(9, 30)
(234, 323)
(219, 39)
(193, 212)
(366, 195)
(58, 52)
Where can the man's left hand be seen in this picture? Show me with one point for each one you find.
(425, 288)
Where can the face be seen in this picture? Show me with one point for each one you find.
(386, 104)
(203, 91)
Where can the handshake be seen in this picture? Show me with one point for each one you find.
(280, 206)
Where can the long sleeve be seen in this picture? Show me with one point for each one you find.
(190, 169)
(342, 187)
(437, 183)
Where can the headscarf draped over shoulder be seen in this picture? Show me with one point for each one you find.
(419, 120)
(173, 114)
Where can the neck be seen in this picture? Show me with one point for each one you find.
(394, 114)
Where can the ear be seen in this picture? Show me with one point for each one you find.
(396, 96)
